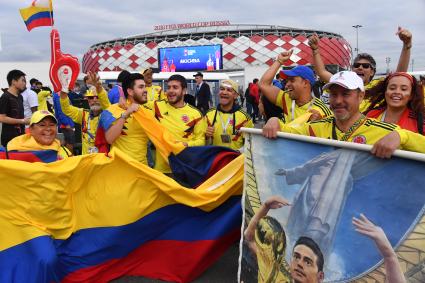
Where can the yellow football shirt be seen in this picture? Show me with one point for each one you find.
(227, 127)
(154, 92)
(364, 105)
(88, 122)
(365, 131)
(185, 124)
(133, 139)
(292, 111)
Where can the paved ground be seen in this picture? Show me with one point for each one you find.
(223, 271)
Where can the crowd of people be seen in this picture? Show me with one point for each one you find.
(387, 113)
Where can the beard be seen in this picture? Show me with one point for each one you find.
(96, 109)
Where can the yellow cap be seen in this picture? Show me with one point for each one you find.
(147, 70)
(91, 92)
(39, 115)
(230, 83)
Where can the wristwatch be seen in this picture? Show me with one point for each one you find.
(124, 116)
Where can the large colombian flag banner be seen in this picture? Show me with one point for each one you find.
(94, 218)
(39, 14)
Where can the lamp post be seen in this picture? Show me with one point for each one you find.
(388, 60)
(357, 38)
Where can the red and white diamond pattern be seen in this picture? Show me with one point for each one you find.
(237, 52)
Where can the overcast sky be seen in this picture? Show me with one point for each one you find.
(83, 23)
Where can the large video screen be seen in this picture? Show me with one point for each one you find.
(190, 58)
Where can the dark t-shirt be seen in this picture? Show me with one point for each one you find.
(12, 106)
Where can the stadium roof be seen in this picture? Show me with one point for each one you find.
(210, 32)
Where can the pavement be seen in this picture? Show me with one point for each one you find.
(225, 270)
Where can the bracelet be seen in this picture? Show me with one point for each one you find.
(407, 47)
(315, 51)
(280, 62)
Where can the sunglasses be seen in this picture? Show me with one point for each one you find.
(364, 65)
(91, 97)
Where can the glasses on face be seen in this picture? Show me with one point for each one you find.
(91, 97)
(364, 65)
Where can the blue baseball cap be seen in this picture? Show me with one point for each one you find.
(299, 71)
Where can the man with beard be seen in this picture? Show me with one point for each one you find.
(297, 100)
(12, 108)
(98, 100)
(225, 121)
(346, 92)
(122, 131)
(307, 262)
(182, 120)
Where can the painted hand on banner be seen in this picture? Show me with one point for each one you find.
(64, 68)
(386, 146)
(275, 202)
(393, 270)
(364, 226)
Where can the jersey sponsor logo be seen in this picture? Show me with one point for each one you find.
(185, 118)
(359, 139)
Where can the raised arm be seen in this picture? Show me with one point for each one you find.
(319, 66)
(406, 37)
(94, 79)
(393, 270)
(273, 202)
(75, 113)
(265, 84)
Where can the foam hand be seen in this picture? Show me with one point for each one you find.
(64, 68)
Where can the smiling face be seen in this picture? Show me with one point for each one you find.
(398, 92)
(295, 86)
(227, 96)
(343, 102)
(44, 132)
(175, 92)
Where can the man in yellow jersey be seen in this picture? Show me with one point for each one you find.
(182, 120)
(346, 91)
(122, 131)
(225, 121)
(154, 92)
(297, 100)
(98, 100)
(364, 65)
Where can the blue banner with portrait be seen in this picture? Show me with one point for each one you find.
(318, 212)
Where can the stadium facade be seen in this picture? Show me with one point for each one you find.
(243, 45)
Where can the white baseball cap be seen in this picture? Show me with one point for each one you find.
(346, 79)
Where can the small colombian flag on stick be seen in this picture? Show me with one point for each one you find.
(39, 14)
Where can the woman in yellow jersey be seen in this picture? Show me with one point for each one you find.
(266, 239)
(399, 99)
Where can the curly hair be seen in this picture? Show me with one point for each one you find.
(376, 96)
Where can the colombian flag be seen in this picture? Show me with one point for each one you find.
(97, 217)
(39, 14)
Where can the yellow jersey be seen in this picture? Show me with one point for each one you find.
(227, 126)
(154, 92)
(133, 139)
(292, 111)
(87, 121)
(185, 124)
(364, 131)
